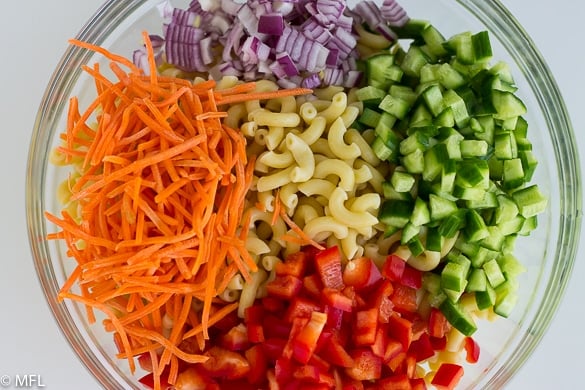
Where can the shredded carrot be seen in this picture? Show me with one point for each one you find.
(304, 239)
(161, 198)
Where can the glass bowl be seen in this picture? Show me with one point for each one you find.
(548, 253)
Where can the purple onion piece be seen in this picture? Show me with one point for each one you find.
(271, 23)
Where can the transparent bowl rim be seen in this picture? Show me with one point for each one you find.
(496, 18)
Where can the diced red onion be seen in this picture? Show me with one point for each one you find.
(393, 13)
(183, 17)
(311, 81)
(287, 64)
(353, 78)
(271, 23)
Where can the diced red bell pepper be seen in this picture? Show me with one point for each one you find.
(361, 273)
(301, 307)
(223, 363)
(228, 322)
(422, 348)
(294, 264)
(307, 373)
(297, 325)
(438, 324)
(410, 366)
(334, 317)
(404, 299)
(472, 350)
(236, 339)
(322, 364)
(256, 356)
(366, 367)
(305, 342)
(148, 380)
(337, 299)
(334, 352)
(411, 277)
(400, 329)
(312, 285)
(254, 314)
(396, 364)
(352, 384)
(381, 298)
(394, 382)
(283, 369)
(275, 327)
(379, 345)
(418, 384)
(284, 287)
(273, 348)
(448, 376)
(328, 265)
(145, 362)
(193, 378)
(366, 324)
(393, 348)
(273, 304)
(393, 268)
(439, 344)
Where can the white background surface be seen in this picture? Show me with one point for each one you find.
(33, 36)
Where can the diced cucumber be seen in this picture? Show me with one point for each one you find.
(475, 227)
(493, 273)
(420, 214)
(434, 240)
(369, 118)
(530, 201)
(402, 181)
(485, 299)
(395, 106)
(440, 207)
(409, 231)
(458, 317)
(477, 281)
(396, 212)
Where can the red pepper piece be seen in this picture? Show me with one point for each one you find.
(276, 327)
(273, 348)
(393, 348)
(256, 356)
(328, 265)
(337, 299)
(418, 384)
(297, 325)
(361, 273)
(273, 304)
(305, 342)
(400, 329)
(236, 339)
(411, 277)
(226, 364)
(283, 369)
(312, 285)
(422, 348)
(448, 376)
(366, 367)
(439, 344)
(334, 352)
(381, 298)
(438, 324)
(317, 361)
(394, 382)
(472, 350)
(393, 268)
(379, 345)
(294, 264)
(404, 299)
(253, 316)
(307, 373)
(284, 287)
(334, 317)
(193, 377)
(366, 324)
(301, 307)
